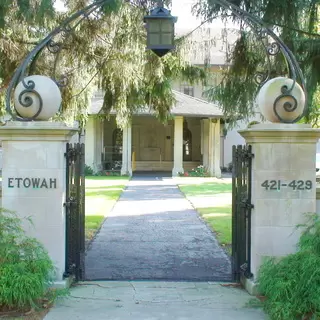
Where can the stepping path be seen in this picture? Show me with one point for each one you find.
(153, 233)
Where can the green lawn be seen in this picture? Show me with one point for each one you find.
(219, 217)
(205, 189)
(101, 195)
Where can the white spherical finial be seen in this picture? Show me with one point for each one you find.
(278, 104)
(37, 98)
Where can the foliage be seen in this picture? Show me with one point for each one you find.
(291, 285)
(296, 22)
(199, 171)
(26, 270)
(228, 168)
(113, 58)
(88, 171)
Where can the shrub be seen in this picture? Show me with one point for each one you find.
(291, 285)
(26, 270)
(88, 171)
(200, 171)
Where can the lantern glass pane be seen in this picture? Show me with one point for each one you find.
(154, 39)
(166, 39)
(154, 25)
(167, 25)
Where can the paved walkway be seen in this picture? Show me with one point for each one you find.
(155, 301)
(153, 233)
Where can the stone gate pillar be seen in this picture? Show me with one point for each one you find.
(34, 181)
(283, 187)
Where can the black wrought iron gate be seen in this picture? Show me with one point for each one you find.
(241, 211)
(75, 211)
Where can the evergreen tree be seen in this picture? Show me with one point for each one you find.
(107, 50)
(297, 23)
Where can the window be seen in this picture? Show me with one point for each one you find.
(187, 143)
(187, 89)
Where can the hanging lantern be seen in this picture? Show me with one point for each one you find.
(160, 30)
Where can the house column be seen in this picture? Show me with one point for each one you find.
(214, 148)
(205, 143)
(211, 142)
(201, 138)
(126, 168)
(178, 146)
(217, 149)
(90, 143)
(98, 144)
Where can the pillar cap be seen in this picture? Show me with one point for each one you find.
(37, 130)
(280, 133)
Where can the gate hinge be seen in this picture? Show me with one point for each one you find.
(249, 154)
(72, 154)
(245, 270)
(246, 204)
(70, 202)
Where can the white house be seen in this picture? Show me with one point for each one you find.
(191, 138)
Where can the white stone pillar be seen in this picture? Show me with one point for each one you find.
(178, 146)
(206, 143)
(283, 186)
(126, 168)
(34, 181)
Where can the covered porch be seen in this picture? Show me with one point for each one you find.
(193, 137)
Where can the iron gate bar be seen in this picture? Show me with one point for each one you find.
(66, 205)
(234, 217)
(241, 211)
(250, 207)
(75, 211)
(82, 209)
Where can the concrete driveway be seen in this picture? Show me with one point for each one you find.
(153, 233)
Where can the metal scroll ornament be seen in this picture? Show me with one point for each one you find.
(289, 103)
(26, 99)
